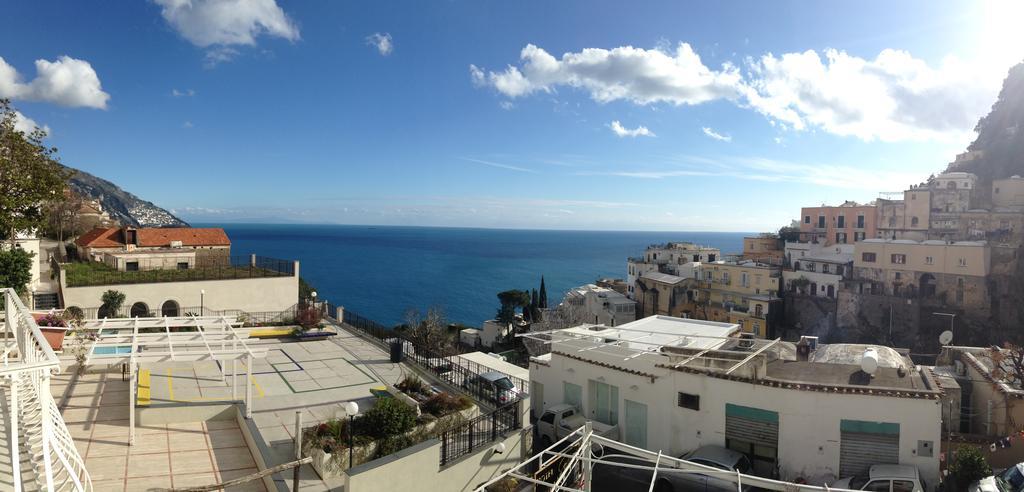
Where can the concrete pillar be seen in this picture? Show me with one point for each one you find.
(131, 402)
(252, 260)
(341, 314)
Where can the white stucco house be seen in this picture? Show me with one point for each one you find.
(816, 269)
(804, 411)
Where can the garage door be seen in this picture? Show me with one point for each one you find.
(755, 433)
(863, 444)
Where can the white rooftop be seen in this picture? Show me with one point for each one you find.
(662, 277)
(657, 331)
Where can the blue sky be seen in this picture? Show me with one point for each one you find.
(722, 116)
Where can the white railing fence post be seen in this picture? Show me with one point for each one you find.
(15, 447)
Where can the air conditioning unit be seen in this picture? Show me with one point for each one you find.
(746, 340)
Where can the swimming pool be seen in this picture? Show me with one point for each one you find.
(120, 349)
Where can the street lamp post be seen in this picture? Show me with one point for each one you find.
(313, 297)
(202, 302)
(351, 409)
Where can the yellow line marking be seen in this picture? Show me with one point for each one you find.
(170, 390)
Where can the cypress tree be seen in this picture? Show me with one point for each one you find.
(543, 304)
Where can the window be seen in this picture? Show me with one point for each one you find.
(841, 222)
(548, 417)
(807, 218)
(687, 400)
(898, 276)
(860, 221)
(867, 257)
(963, 261)
(898, 259)
(824, 268)
(573, 394)
(841, 237)
(744, 279)
(182, 265)
(913, 222)
(696, 257)
(928, 260)
(131, 266)
(821, 221)
(902, 486)
(892, 221)
(858, 236)
(711, 257)
(877, 486)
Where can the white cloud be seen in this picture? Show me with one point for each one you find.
(188, 93)
(621, 131)
(623, 73)
(66, 81)
(507, 105)
(717, 136)
(382, 42)
(892, 97)
(220, 24)
(27, 125)
(187, 124)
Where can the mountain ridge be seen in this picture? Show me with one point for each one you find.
(123, 206)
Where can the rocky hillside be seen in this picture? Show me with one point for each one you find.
(1000, 144)
(122, 206)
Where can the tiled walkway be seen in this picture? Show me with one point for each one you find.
(172, 455)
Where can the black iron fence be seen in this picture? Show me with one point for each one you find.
(480, 432)
(89, 273)
(457, 371)
(247, 318)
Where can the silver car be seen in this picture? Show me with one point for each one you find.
(493, 386)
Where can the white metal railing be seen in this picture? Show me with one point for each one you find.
(27, 364)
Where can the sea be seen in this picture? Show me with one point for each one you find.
(381, 272)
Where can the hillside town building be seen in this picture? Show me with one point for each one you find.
(677, 259)
(816, 270)
(843, 224)
(800, 412)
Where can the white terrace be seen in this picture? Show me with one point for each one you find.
(172, 339)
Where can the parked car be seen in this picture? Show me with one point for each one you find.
(1008, 480)
(609, 477)
(895, 478)
(493, 386)
(561, 420)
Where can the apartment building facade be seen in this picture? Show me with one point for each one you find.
(675, 258)
(744, 292)
(815, 269)
(843, 224)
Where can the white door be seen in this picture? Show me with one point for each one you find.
(536, 399)
(604, 402)
(636, 424)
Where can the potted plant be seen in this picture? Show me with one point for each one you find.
(53, 328)
(311, 326)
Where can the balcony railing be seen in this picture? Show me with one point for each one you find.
(36, 426)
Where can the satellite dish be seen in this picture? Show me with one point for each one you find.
(945, 337)
(869, 361)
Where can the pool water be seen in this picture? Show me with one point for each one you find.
(122, 349)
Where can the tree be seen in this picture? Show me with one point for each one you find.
(111, 303)
(428, 333)
(510, 300)
(1008, 364)
(62, 217)
(790, 233)
(15, 268)
(968, 466)
(30, 176)
(543, 301)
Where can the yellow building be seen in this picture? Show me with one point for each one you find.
(744, 293)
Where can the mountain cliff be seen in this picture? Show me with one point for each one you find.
(122, 206)
(998, 152)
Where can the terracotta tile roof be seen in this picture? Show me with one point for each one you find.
(155, 237)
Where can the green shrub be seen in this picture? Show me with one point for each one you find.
(389, 417)
(443, 404)
(393, 444)
(968, 466)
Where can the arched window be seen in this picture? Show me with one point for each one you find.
(169, 308)
(139, 310)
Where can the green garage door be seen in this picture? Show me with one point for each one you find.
(863, 444)
(755, 433)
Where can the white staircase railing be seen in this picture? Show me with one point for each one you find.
(36, 425)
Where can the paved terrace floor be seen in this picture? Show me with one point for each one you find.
(314, 377)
